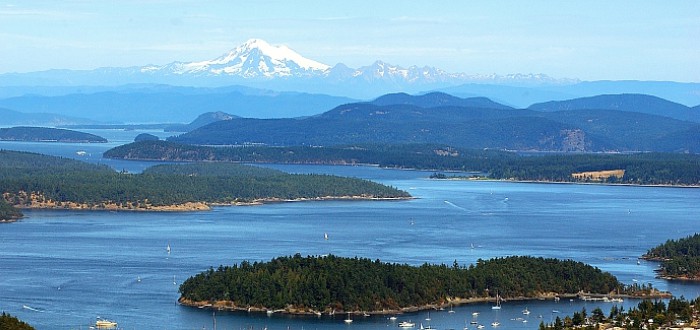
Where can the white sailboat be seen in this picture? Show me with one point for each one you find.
(168, 248)
(498, 302)
(348, 320)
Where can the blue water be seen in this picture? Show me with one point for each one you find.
(62, 269)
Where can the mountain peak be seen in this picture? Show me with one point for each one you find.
(257, 58)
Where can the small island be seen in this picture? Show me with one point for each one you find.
(330, 284)
(680, 259)
(38, 181)
(45, 134)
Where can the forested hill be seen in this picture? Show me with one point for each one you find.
(679, 258)
(624, 102)
(474, 123)
(32, 180)
(357, 284)
(44, 134)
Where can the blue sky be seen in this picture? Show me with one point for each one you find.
(590, 40)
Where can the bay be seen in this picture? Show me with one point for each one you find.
(62, 269)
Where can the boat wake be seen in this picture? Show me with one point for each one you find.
(455, 206)
(32, 309)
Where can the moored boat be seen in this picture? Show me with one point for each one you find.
(406, 324)
(105, 324)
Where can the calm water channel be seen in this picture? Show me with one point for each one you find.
(62, 269)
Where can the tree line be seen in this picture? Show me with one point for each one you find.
(359, 284)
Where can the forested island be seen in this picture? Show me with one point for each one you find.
(680, 259)
(637, 169)
(46, 134)
(648, 314)
(327, 284)
(38, 181)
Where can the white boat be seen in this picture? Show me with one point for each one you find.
(406, 324)
(498, 302)
(526, 312)
(105, 324)
(348, 320)
(325, 236)
(475, 314)
(451, 311)
(81, 153)
(480, 326)
(495, 324)
(393, 318)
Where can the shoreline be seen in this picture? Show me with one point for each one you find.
(293, 310)
(424, 170)
(191, 206)
(568, 182)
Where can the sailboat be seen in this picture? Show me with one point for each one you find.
(451, 311)
(168, 248)
(325, 236)
(498, 302)
(348, 320)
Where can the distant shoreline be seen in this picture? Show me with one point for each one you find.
(568, 182)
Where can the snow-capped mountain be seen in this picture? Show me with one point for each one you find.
(257, 59)
(253, 59)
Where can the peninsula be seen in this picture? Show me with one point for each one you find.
(38, 181)
(46, 134)
(8, 213)
(327, 284)
(680, 259)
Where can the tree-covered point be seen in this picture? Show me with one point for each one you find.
(358, 284)
(679, 258)
(9, 322)
(643, 169)
(45, 134)
(26, 177)
(647, 315)
(8, 212)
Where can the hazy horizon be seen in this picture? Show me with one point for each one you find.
(587, 40)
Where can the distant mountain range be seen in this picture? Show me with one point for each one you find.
(172, 104)
(260, 65)
(473, 123)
